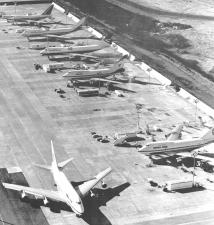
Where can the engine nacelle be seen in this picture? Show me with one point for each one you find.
(45, 201)
(92, 194)
(23, 195)
(103, 184)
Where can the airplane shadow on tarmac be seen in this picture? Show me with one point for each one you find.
(93, 214)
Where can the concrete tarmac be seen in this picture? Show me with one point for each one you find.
(13, 210)
(32, 114)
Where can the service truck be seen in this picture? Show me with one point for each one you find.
(175, 185)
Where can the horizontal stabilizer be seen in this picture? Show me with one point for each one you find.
(43, 166)
(61, 165)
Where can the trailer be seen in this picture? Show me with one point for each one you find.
(87, 92)
(176, 185)
(52, 66)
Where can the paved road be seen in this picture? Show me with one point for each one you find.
(200, 218)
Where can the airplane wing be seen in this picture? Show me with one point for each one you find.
(105, 80)
(84, 55)
(38, 193)
(52, 36)
(88, 185)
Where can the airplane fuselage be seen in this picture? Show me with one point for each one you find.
(23, 18)
(65, 187)
(92, 73)
(174, 146)
(37, 33)
(57, 31)
(70, 49)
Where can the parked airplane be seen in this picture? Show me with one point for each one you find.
(72, 49)
(56, 31)
(52, 37)
(29, 18)
(106, 54)
(94, 81)
(84, 74)
(177, 146)
(42, 23)
(74, 56)
(65, 191)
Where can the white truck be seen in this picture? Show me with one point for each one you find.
(52, 66)
(175, 185)
(87, 92)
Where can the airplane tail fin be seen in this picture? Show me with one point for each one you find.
(53, 153)
(48, 10)
(60, 165)
(209, 134)
(79, 24)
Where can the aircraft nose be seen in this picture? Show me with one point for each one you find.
(80, 209)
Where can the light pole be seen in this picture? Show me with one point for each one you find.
(194, 154)
(196, 108)
(138, 108)
(149, 70)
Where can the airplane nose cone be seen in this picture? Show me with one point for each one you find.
(80, 209)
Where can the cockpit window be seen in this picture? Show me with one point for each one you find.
(78, 202)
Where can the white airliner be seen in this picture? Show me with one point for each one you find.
(29, 18)
(55, 31)
(177, 146)
(66, 193)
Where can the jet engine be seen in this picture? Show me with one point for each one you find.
(103, 184)
(23, 195)
(45, 201)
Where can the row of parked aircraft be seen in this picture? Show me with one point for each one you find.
(66, 192)
(29, 18)
(58, 34)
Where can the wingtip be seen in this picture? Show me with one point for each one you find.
(109, 169)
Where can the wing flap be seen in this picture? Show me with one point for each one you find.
(39, 193)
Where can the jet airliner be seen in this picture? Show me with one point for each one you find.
(66, 192)
(29, 18)
(56, 31)
(177, 146)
